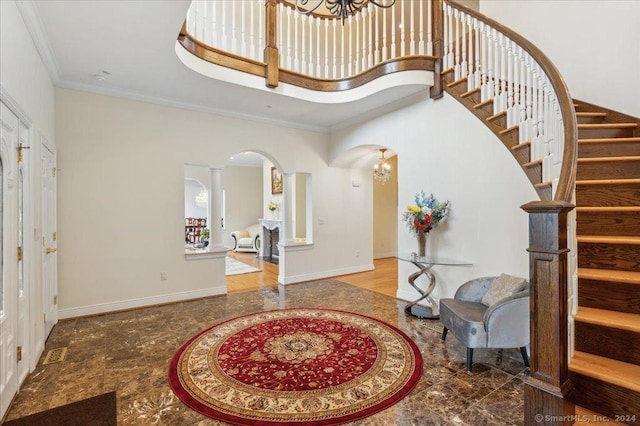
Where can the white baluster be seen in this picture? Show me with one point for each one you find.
(496, 71)
(478, 71)
(303, 44)
(524, 84)
(318, 52)
(392, 53)
(536, 142)
(224, 26)
(189, 18)
(326, 48)
(429, 48)
(261, 32)
(289, 57)
(363, 51)
(350, 57)
(356, 58)
(370, 35)
(503, 75)
(335, 51)
(296, 49)
(243, 36)
(402, 27)
(515, 119)
(384, 35)
(412, 45)
(421, 45)
(310, 49)
(463, 53)
(510, 81)
(456, 58)
(199, 30)
(490, 53)
(234, 25)
(470, 75)
(252, 34)
(445, 25)
(342, 50)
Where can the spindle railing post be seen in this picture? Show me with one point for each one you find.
(271, 55)
(438, 18)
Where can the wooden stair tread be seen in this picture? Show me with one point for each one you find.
(543, 184)
(509, 129)
(591, 114)
(608, 239)
(627, 277)
(608, 126)
(608, 370)
(448, 70)
(606, 318)
(609, 140)
(532, 163)
(455, 83)
(521, 146)
(607, 181)
(496, 116)
(483, 104)
(609, 209)
(470, 92)
(609, 159)
(588, 417)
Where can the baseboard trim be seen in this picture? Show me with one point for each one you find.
(291, 279)
(139, 303)
(385, 255)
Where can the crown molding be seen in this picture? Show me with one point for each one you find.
(35, 27)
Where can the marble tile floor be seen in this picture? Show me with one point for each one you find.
(129, 352)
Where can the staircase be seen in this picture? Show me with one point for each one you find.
(605, 369)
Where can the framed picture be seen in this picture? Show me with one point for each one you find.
(276, 181)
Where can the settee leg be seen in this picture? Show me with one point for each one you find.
(525, 357)
(469, 359)
(444, 333)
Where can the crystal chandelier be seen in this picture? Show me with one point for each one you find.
(339, 8)
(382, 169)
(202, 199)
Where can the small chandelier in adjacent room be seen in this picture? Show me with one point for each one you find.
(340, 8)
(382, 169)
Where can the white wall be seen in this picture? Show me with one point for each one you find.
(24, 77)
(244, 199)
(385, 214)
(442, 148)
(115, 241)
(594, 44)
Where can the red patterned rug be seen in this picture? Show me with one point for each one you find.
(295, 366)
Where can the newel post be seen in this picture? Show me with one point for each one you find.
(438, 16)
(547, 392)
(271, 49)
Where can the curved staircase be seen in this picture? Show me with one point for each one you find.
(605, 368)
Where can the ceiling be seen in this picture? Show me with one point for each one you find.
(131, 46)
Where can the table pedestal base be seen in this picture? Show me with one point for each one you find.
(422, 312)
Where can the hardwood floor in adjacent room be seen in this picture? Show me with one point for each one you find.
(383, 279)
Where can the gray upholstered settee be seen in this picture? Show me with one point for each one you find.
(247, 240)
(504, 323)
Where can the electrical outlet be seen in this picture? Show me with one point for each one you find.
(163, 276)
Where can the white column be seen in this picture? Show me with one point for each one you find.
(286, 232)
(214, 215)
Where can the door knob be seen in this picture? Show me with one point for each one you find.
(51, 250)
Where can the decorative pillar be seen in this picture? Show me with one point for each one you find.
(214, 215)
(547, 393)
(271, 55)
(287, 207)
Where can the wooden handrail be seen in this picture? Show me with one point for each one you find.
(567, 178)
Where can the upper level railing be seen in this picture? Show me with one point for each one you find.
(314, 51)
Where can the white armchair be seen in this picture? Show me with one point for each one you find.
(247, 240)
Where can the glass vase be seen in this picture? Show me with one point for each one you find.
(422, 244)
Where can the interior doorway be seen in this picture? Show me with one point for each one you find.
(49, 237)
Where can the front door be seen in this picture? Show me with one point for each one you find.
(9, 129)
(49, 237)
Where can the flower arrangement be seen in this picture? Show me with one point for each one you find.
(273, 206)
(425, 214)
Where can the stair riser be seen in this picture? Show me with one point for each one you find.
(534, 173)
(458, 89)
(619, 223)
(608, 342)
(613, 296)
(473, 98)
(500, 121)
(621, 257)
(609, 170)
(590, 120)
(608, 195)
(605, 398)
(605, 133)
(608, 149)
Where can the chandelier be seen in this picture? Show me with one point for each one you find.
(382, 169)
(202, 199)
(339, 8)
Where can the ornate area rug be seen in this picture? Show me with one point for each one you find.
(295, 366)
(235, 267)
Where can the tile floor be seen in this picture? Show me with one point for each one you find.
(129, 352)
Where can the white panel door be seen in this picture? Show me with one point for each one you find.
(24, 256)
(49, 255)
(9, 128)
